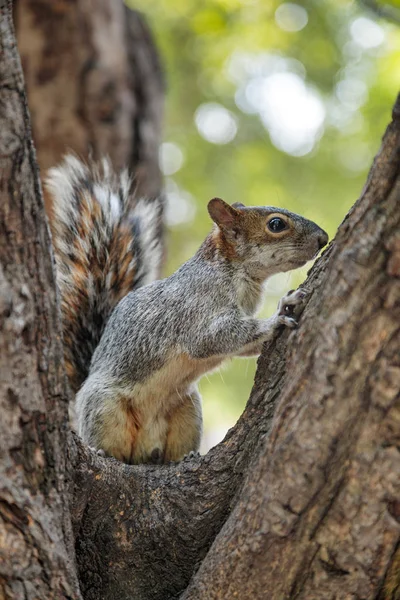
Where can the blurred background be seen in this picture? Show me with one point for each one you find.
(275, 103)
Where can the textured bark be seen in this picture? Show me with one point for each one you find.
(94, 84)
(35, 530)
(301, 500)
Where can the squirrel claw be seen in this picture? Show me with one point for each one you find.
(287, 321)
(192, 454)
(189, 456)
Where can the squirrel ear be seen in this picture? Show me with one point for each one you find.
(222, 213)
(238, 205)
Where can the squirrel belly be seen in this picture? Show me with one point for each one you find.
(157, 420)
(138, 399)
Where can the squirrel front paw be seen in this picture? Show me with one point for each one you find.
(292, 304)
(290, 308)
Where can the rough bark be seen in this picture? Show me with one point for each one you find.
(94, 84)
(301, 500)
(36, 545)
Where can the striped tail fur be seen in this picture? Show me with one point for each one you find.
(106, 244)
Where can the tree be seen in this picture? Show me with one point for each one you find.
(301, 500)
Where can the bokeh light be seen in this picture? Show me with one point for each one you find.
(215, 123)
(171, 158)
(180, 205)
(366, 33)
(291, 17)
(292, 112)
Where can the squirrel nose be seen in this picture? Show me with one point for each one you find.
(322, 239)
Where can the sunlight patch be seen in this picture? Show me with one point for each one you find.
(215, 123)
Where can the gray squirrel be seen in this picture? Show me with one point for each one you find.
(134, 357)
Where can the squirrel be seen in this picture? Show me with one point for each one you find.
(136, 355)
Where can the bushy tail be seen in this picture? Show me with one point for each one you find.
(106, 244)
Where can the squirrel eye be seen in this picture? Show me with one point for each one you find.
(276, 225)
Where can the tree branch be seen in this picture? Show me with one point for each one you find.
(383, 10)
(148, 87)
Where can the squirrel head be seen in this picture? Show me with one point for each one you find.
(265, 239)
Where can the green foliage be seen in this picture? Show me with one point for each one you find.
(333, 56)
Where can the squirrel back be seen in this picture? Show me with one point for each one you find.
(106, 244)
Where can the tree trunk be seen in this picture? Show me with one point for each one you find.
(94, 84)
(301, 499)
(36, 542)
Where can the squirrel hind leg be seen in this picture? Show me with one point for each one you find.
(107, 420)
(185, 428)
